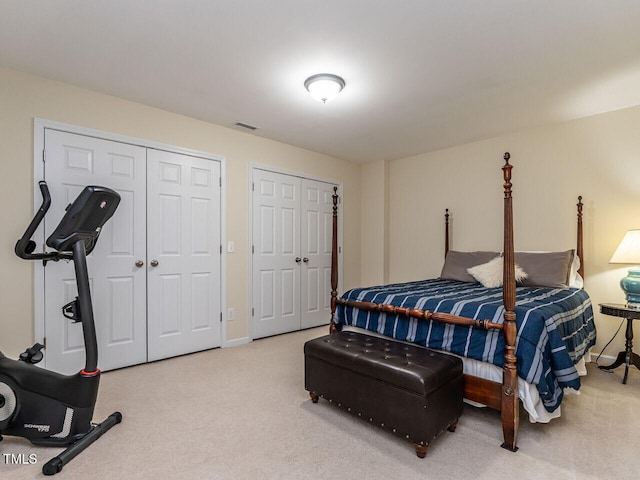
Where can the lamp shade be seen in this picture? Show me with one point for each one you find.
(629, 249)
(324, 87)
(629, 252)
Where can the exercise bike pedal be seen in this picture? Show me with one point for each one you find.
(72, 311)
(32, 355)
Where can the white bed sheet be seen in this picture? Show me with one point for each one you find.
(526, 391)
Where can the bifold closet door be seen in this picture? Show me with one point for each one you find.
(155, 274)
(118, 285)
(292, 219)
(183, 254)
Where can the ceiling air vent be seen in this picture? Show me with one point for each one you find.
(246, 125)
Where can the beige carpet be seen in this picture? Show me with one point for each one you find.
(242, 413)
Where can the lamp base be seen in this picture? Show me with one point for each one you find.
(631, 287)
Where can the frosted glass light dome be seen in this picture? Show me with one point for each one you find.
(324, 87)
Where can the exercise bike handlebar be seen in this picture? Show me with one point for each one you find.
(25, 246)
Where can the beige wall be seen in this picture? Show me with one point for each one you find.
(596, 157)
(374, 222)
(23, 97)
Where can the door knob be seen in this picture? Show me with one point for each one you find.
(305, 260)
(139, 263)
(298, 259)
(154, 263)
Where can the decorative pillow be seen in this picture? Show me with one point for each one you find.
(456, 264)
(490, 274)
(548, 269)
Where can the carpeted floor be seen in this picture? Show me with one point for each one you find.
(243, 413)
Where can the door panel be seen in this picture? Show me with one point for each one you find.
(184, 309)
(276, 274)
(118, 286)
(317, 205)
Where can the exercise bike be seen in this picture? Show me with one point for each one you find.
(45, 407)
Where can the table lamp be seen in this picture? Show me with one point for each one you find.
(629, 252)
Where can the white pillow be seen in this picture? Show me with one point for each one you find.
(575, 280)
(490, 274)
(578, 282)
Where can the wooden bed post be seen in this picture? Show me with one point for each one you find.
(580, 248)
(334, 261)
(510, 402)
(446, 232)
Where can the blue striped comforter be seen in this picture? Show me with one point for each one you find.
(555, 326)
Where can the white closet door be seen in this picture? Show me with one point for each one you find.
(316, 232)
(183, 261)
(276, 253)
(117, 284)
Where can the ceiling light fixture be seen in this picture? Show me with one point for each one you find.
(324, 87)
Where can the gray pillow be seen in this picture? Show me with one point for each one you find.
(546, 269)
(456, 264)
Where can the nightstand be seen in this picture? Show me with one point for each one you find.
(627, 356)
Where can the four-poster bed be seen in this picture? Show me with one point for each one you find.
(526, 333)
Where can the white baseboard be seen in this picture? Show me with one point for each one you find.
(236, 342)
(604, 359)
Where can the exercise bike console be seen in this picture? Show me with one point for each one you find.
(42, 406)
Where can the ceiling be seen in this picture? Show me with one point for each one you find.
(420, 74)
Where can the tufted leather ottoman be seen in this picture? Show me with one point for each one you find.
(411, 391)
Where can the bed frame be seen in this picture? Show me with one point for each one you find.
(499, 396)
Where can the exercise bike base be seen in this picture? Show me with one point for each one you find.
(55, 465)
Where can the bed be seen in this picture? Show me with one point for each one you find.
(519, 343)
